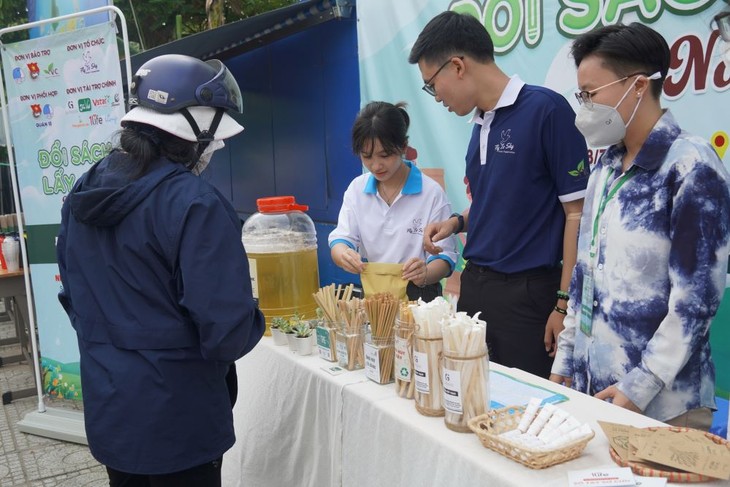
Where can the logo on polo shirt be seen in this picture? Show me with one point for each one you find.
(505, 146)
(580, 169)
(416, 227)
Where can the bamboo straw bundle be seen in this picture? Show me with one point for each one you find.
(427, 349)
(381, 309)
(327, 298)
(465, 370)
(405, 325)
(351, 334)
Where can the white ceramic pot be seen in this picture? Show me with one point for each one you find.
(304, 346)
(292, 339)
(278, 336)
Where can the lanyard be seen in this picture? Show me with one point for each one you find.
(605, 199)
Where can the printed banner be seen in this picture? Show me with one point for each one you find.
(65, 101)
(532, 39)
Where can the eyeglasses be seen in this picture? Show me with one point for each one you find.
(723, 25)
(428, 86)
(584, 97)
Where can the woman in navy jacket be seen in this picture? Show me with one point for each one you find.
(156, 282)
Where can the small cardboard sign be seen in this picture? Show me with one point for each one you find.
(690, 451)
(668, 449)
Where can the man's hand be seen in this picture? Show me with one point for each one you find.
(437, 231)
(618, 398)
(552, 329)
(561, 379)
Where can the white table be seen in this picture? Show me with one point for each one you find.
(297, 425)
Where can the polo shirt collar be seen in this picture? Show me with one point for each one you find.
(655, 147)
(414, 183)
(507, 98)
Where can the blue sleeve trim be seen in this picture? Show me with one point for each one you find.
(342, 241)
(451, 263)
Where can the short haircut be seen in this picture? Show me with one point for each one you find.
(626, 50)
(383, 121)
(452, 34)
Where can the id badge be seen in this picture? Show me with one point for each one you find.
(586, 305)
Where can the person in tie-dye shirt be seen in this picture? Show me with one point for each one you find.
(653, 244)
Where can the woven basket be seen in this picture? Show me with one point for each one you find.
(488, 426)
(647, 469)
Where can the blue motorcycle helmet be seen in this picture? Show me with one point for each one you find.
(186, 97)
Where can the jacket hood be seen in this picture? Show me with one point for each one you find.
(107, 192)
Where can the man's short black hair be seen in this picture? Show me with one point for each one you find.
(452, 34)
(626, 50)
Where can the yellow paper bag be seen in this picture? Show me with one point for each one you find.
(382, 277)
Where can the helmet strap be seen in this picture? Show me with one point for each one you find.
(204, 137)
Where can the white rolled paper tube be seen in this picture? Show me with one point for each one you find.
(565, 427)
(527, 440)
(541, 420)
(568, 425)
(510, 434)
(555, 420)
(529, 414)
(576, 434)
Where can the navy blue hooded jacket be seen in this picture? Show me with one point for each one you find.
(156, 284)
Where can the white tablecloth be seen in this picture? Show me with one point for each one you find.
(297, 425)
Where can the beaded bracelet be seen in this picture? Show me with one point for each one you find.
(563, 295)
(560, 310)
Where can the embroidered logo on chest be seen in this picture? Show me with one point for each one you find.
(416, 226)
(505, 146)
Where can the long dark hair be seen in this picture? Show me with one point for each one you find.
(383, 121)
(146, 144)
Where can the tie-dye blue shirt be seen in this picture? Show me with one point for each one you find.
(659, 274)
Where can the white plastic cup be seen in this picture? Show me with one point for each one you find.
(11, 252)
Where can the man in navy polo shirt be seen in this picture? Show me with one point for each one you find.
(527, 170)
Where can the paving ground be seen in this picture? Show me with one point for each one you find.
(29, 460)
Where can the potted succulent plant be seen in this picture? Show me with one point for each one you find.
(276, 332)
(303, 333)
(288, 329)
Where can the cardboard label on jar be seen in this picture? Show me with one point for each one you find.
(323, 343)
(372, 362)
(402, 360)
(452, 391)
(420, 370)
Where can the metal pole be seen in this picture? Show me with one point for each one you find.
(14, 179)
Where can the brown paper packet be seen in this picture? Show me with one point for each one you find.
(382, 277)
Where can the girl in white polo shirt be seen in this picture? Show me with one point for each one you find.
(384, 211)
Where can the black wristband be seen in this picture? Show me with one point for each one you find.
(459, 217)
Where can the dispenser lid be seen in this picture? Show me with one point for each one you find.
(278, 204)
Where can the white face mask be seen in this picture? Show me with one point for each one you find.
(204, 158)
(602, 125)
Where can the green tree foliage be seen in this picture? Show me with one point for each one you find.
(13, 12)
(156, 18)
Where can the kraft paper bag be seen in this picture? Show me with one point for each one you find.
(382, 277)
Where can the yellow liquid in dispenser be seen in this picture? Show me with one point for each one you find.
(284, 283)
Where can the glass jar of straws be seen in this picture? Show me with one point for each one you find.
(465, 371)
(381, 310)
(427, 350)
(328, 298)
(351, 332)
(403, 330)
